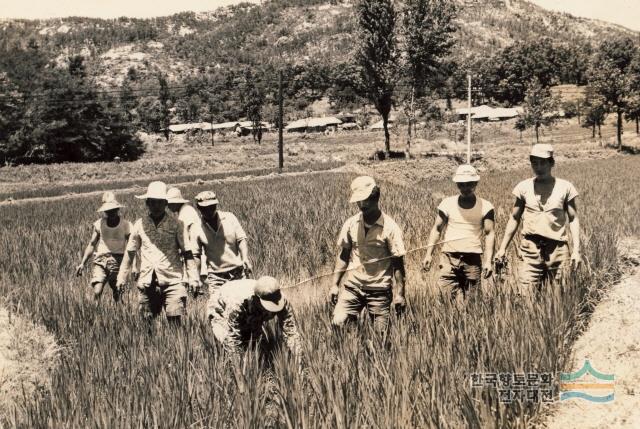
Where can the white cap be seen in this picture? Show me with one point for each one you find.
(542, 150)
(361, 188)
(268, 290)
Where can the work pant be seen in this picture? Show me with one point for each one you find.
(542, 261)
(459, 273)
(352, 300)
(157, 297)
(216, 280)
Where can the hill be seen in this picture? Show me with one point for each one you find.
(299, 32)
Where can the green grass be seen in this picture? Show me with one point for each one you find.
(119, 372)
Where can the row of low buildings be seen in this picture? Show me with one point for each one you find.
(337, 122)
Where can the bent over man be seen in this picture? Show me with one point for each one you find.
(464, 218)
(159, 240)
(239, 309)
(547, 208)
(370, 259)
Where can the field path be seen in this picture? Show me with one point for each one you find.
(612, 345)
(139, 188)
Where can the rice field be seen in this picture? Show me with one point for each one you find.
(118, 371)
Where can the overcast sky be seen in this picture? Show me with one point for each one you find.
(621, 12)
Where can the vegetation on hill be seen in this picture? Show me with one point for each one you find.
(203, 58)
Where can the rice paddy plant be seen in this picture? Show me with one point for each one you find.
(117, 370)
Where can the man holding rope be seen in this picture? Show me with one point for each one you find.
(224, 243)
(370, 260)
(465, 218)
(547, 208)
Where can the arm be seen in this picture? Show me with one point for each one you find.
(287, 323)
(512, 227)
(125, 268)
(342, 262)
(489, 243)
(574, 229)
(399, 275)
(193, 270)
(244, 255)
(88, 251)
(434, 236)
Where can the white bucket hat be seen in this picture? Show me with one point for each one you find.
(267, 289)
(109, 202)
(155, 190)
(174, 196)
(466, 173)
(361, 188)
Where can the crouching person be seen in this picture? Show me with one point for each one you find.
(239, 309)
(159, 240)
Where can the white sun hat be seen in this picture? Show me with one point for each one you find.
(174, 196)
(109, 202)
(156, 190)
(267, 289)
(466, 173)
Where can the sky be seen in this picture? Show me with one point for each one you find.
(621, 12)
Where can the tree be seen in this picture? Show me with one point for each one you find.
(427, 27)
(70, 121)
(539, 107)
(377, 56)
(163, 97)
(253, 101)
(595, 112)
(610, 77)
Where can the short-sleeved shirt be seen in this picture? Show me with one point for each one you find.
(464, 228)
(159, 248)
(383, 240)
(549, 219)
(222, 247)
(112, 240)
(193, 224)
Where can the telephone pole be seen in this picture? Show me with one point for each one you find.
(469, 119)
(280, 123)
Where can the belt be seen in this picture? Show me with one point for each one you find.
(231, 274)
(540, 240)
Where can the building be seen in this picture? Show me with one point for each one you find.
(310, 125)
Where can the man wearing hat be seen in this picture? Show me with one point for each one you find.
(370, 259)
(465, 219)
(547, 208)
(193, 231)
(108, 241)
(223, 241)
(159, 240)
(239, 310)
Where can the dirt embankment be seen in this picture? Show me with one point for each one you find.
(611, 343)
(28, 354)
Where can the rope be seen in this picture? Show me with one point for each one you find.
(372, 261)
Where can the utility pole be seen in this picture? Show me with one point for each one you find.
(280, 122)
(212, 142)
(469, 119)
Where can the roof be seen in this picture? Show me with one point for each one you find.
(177, 128)
(313, 122)
(379, 126)
(488, 112)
